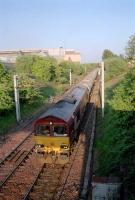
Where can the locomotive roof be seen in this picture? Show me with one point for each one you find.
(65, 108)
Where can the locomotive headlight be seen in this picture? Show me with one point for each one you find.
(40, 145)
(64, 146)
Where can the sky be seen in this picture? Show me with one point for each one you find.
(88, 26)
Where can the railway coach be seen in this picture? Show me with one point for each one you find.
(56, 130)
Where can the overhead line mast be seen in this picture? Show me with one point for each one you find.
(16, 93)
(102, 87)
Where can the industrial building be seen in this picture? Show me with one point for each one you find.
(10, 56)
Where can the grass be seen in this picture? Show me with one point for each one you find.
(114, 81)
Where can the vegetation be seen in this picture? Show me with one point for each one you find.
(107, 54)
(29, 93)
(130, 49)
(117, 145)
(37, 82)
(114, 66)
(6, 101)
(117, 142)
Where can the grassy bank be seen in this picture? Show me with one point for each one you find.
(115, 141)
(102, 124)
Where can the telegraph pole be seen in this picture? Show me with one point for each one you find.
(70, 77)
(16, 93)
(102, 87)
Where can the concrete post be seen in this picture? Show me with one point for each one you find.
(102, 82)
(16, 93)
(70, 77)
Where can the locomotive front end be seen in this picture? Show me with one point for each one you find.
(52, 141)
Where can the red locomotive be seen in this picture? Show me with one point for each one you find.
(56, 129)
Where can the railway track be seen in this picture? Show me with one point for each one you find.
(15, 150)
(56, 182)
(24, 177)
(15, 158)
(15, 184)
(46, 183)
(52, 180)
(13, 166)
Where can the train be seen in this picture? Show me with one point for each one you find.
(56, 129)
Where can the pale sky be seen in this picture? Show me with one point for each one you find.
(88, 26)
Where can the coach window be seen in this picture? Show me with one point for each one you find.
(43, 130)
(59, 131)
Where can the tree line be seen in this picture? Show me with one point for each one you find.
(117, 64)
(33, 72)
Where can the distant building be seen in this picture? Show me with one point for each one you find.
(10, 56)
(72, 55)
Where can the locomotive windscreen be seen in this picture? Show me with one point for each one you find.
(43, 130)
(59, 131)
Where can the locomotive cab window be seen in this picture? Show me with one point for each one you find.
(43, 130)
(59, 131)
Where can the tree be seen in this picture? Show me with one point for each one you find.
(107, 54)
(25, 63)
(29, 92)
(114, 66)
(44, 69)
(130, 49)
(62, 72)
(41, 68)
(6, 90)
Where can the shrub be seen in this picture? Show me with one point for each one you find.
(114, 66)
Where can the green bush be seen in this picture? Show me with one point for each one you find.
(117, 145)
(6, 90)
(114, 66)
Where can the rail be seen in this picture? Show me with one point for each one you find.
(14, 169)
(68, 173)
(26, 196)
(14, 150)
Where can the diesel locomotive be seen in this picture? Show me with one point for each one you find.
(56, 130)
